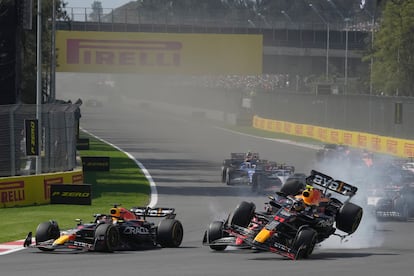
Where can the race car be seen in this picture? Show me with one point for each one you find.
(270, 175)
(297, 176)
(332, 152)
(392, 202)
(292, 224)
(236, 161)
(121, 229)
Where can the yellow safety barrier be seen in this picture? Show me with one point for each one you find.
(375, 143)
(34, 189)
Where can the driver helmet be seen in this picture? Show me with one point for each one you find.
(311, 196)
(249, 156)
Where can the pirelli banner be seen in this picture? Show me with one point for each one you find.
(159, 53)
(72, 194)
(376, 143)
(34, 189)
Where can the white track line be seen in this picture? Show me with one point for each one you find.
(154, 192)
(285, 141)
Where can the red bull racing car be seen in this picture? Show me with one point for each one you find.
(293, 223)
(121, 229)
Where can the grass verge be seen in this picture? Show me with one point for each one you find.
(124, 184)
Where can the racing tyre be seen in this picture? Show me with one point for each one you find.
(402, 208)
(255, 182)
(261, 183)
(292, 187)
(349, 218)
(106, 238)
(228, 177)
(215, 232)
(242, 214)
(170, 233)
(304, 243)
(223, 174)
(45, 231)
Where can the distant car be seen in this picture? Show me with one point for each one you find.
(238, 166)
(392, 202)
(332, 152)
(298, 176)
(121, 229)
(409, 166)
(241, 175)
(270, 176)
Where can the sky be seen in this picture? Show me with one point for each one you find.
(106, 4)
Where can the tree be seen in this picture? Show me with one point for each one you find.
(97, 11)
(393, 50)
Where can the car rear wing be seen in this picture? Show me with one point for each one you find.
(237, 155)
(327, 182)
(154, 212)
(242, 155)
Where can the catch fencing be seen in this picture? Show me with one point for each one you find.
(60, 126)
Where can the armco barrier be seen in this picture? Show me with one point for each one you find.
(34, 189)
(375, 143)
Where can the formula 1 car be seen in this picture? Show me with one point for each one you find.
(270, 175)
(122, 229)
(332, 152)
(235, 162)
(289, 227)
(392, 202)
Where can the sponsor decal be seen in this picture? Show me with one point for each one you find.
(299, 130)
(48, 182)
(262, 123)
(124, 52)
(159, 53)
(269, 124)
(331, 184)
(131, 230)
(325, 222)
(75, 194)
(32, 137)
(278, 126)
(362, 141)
(322, 134)
(334, 136)
(82, 244)
(287, 127)
(409, 149)
(12, 192)
(77, 179)
(376, 143)
(82, 144)
(348, 138)
(391, 146)
(309, 131)
(95, 163)
(158, 212)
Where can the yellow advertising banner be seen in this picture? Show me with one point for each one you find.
(159, 53)
(372, 142)
(34, 189)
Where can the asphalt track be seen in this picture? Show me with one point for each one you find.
(184, 155)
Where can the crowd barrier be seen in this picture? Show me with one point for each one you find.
(34, 189)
